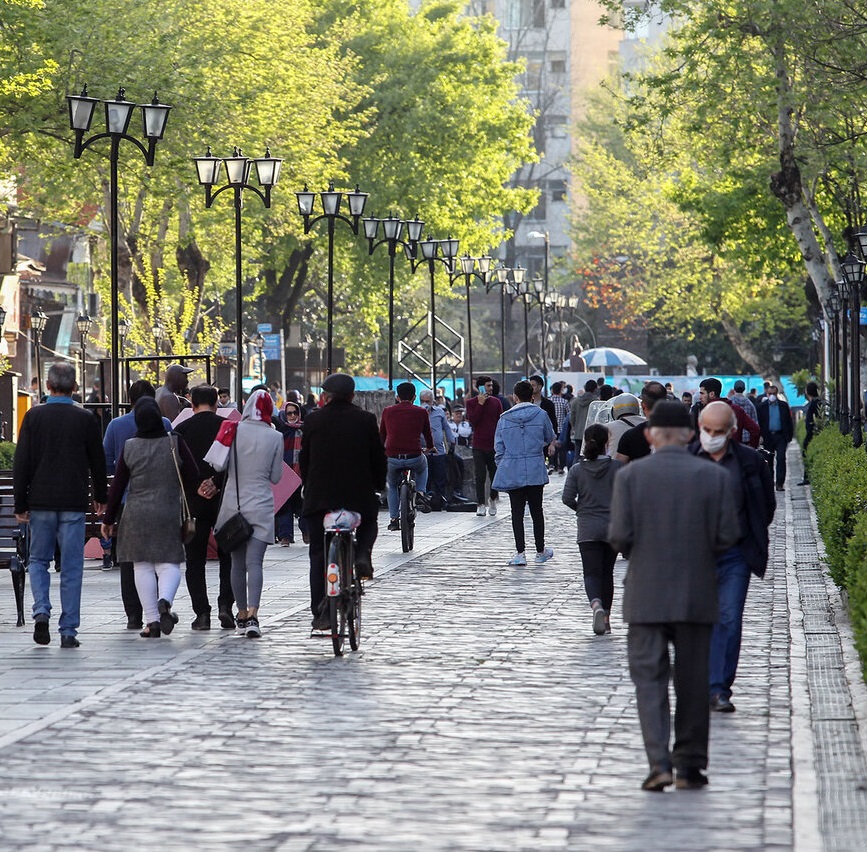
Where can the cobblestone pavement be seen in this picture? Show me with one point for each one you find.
(481, 714)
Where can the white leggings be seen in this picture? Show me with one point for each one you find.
(155, 580)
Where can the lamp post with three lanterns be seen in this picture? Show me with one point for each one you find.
(468, 271)
(853, 274)
(83, 323)
(38, 321)
(508, 278)
(118, 114)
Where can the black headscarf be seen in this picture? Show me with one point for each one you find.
(149, 419)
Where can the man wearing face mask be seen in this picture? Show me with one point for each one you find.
(754, 491)
(775, 421)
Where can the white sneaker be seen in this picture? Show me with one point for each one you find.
(492, 508)
(481, 511)
(517, 559)
(544, 556)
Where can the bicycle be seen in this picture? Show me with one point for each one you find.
(343, 587)
(407, 510)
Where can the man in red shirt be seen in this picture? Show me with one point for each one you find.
(483, 412)
(402, 428)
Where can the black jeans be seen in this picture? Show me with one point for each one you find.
(365, 537)
(197, 556)
(532, 495)
(483, 460)
(597, 559)
(775, 443)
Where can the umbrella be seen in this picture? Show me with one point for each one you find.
(609, 356)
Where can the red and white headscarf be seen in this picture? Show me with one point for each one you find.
(259, 407)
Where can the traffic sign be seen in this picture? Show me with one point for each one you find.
(228, 350)
(271, 349)
(264, 328)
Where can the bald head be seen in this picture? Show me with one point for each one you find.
(718, 417)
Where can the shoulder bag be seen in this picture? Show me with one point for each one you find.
(237, 530)
(188, 522)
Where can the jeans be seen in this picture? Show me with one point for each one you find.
(48, 530)
(733, 580)
(365, 538)
(597, 559)
(438, 479)
(284, 520)
(530, 495)
(484, 463)
(396, 467)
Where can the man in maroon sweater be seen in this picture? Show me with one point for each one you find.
(402, 428)
(483, 412)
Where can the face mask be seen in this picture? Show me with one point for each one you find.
(772, 397)
(712, 443)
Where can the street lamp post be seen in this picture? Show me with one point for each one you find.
(331, 213)
(118, 114)
(444, 251)
(320, 345)
(38, 319)
(392, 229)
(237, 180)
(468, 271)
(843, 289)
(159, 334)
(259, 342)
(305, 348)
(504, 274)
(540, 294)
(833, 307)
(853, 273)
(83, 323)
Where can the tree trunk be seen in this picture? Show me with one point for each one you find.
(284, 289)
(746, 351)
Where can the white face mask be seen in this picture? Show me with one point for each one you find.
(772, 397)
(712, 443)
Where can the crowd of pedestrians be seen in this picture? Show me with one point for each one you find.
(677, 487)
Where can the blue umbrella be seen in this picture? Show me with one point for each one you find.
(609, 356)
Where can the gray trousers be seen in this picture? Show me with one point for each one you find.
(650, 669)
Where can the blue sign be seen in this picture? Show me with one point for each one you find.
(863, 319)
(264, 328)
(271, 349)
(228, 350)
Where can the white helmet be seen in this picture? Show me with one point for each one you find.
(623, 404)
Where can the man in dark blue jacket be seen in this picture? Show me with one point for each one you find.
(775, 421)
(754, 492)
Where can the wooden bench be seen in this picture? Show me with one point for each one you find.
(15, 540)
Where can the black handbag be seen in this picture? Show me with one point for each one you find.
(237, 529)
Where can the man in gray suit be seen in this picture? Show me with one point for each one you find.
(670, 594)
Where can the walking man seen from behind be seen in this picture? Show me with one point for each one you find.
(670, 595)
(59, 451)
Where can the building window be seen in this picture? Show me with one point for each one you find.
(558, 190)
(558, 4)
(521, 14)
(558, 66)
(556, 126)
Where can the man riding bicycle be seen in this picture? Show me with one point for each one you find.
(342, 467)
(402, 428)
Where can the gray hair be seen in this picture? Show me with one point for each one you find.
(61, 377)
(426, 395)
(664, 436)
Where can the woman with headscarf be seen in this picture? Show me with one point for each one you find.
(290, 423)
(150, 527)
(254, 462)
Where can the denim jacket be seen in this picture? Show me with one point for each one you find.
(523, 433)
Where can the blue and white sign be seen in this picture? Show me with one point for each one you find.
(264, 328)
(271, 349)
(228, 350)
(863, 319)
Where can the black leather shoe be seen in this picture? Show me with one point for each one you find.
(321, 622)
(202, 622)
(690, 779)
(152, 631)
(422, 504)
(168, 619)
(69, 642)
(660, 777)
(227, 620)
(721, 704)
(41, 632)
(363, 566)
(394, 525)
(134, 623)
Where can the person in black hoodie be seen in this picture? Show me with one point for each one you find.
(587, 491)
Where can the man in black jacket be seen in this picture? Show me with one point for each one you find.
(199, 432)
(343, 465)
(775, 421)
(756, 504)
(59, 449)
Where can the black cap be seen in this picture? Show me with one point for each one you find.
(339, 384)
(670, 413)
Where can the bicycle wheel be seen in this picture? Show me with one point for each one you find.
(407, 517)
(353, 610)
(336, 608)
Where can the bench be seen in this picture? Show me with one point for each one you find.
(15, 541)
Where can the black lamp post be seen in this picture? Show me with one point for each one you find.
(540, 294)
(832, 306)
(392, 230)
(83, 323)
(237, 179)
(331, 213)
(853, 274)
(843, 290)
(159, 334)
(118, 114)
(444, 251)
(468, 271)
(508, 278)
(259, 342)
(38, 319)
(305, 348)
